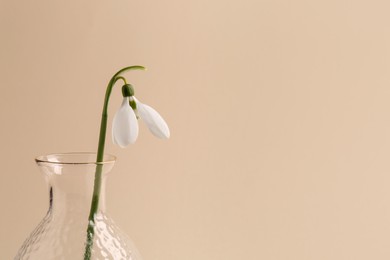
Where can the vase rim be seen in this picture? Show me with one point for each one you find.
(72, 158)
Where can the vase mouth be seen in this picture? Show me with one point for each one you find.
(72, 158)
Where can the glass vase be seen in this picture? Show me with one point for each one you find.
(62, 234)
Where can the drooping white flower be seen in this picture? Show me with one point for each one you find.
(125, 125)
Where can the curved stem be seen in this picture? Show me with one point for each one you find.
(122, 78)
(99, 159)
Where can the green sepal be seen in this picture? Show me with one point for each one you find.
(133, 104)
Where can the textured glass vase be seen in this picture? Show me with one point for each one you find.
(62, 233)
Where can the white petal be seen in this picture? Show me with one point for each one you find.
(124, 125)
(153, 120)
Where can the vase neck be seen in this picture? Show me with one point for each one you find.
(70, 178)
(73, 195)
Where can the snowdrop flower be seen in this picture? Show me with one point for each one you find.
(125, 125)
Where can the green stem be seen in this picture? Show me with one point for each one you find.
(99, 159)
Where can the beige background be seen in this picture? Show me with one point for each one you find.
(279, 113)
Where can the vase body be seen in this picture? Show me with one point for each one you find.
(62, 234)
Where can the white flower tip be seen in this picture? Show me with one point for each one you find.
(166, 134)
(159, 128)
